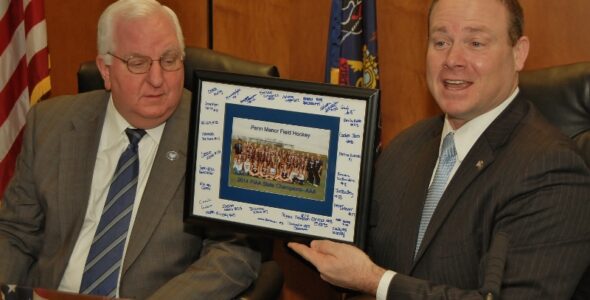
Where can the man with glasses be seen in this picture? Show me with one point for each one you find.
(96, 204)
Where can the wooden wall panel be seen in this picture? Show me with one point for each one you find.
(71, 38)
(559, 32)
(288, 33)
(71, 34)
(192, 15)
(402, 37)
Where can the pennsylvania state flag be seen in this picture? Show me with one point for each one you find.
(352, 44)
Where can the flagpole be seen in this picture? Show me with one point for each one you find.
(210, 24)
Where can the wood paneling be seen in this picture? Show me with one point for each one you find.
(71, 38)
(288, 33)
(402, 36)
(192, 15)
(558, 30)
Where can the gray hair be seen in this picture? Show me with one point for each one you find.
(129, 10)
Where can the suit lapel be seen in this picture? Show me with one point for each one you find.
(78, 148)
(481, 155)
(413, 199)
(164, 180)
(466, 173)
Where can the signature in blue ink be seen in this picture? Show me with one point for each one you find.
(249, 99)
(290, 98)
(353, 122)
(267, 220)
(210, 122)
(299, 227)
(310, 101)
(344, 192)
(225, 215)
(350, 156)
(347, 109)
(210, 154)
(330, 106)
(215, 91)
(269, 95)
(212, 106)
(205, 186)
(258, 210)
(231, 207)
(233, 95)
(209, 136)
(339, 231)
(206, 170)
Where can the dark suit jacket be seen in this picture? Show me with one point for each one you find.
(45, 204)
(531, 184)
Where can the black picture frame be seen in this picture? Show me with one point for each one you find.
(281, 158)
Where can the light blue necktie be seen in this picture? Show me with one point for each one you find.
(101, 272)
(448, 156)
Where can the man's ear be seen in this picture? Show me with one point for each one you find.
(521, 52)
(105, 71)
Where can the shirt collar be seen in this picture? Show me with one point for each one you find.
(115, 125)
(466, 136)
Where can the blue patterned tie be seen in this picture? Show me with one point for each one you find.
(101, 272)
(448, 156)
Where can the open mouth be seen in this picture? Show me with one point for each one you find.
(456, 84)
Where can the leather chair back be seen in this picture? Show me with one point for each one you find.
(562, 94)
(89, 78)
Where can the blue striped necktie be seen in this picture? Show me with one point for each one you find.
(448, 156)
(101, 272)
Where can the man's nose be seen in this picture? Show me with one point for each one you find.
(156, 74)
(455, 56)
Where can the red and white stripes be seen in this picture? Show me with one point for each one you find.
(24, 74)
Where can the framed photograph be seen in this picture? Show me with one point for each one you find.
(281, 157)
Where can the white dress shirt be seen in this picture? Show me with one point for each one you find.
(113, 141)
(464, 137)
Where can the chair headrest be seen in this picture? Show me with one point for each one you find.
(562, 94)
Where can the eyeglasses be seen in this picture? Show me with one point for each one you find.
(171, 61)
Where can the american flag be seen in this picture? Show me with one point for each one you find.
(24, 74)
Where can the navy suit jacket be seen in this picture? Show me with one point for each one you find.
(522, 177)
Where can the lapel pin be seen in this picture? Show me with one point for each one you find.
(479, 164)
(172, 155)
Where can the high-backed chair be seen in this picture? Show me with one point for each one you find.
(269, 283)
(562, 94)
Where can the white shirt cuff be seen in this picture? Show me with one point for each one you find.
(384, 285)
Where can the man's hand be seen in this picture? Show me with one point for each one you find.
(342, 265)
